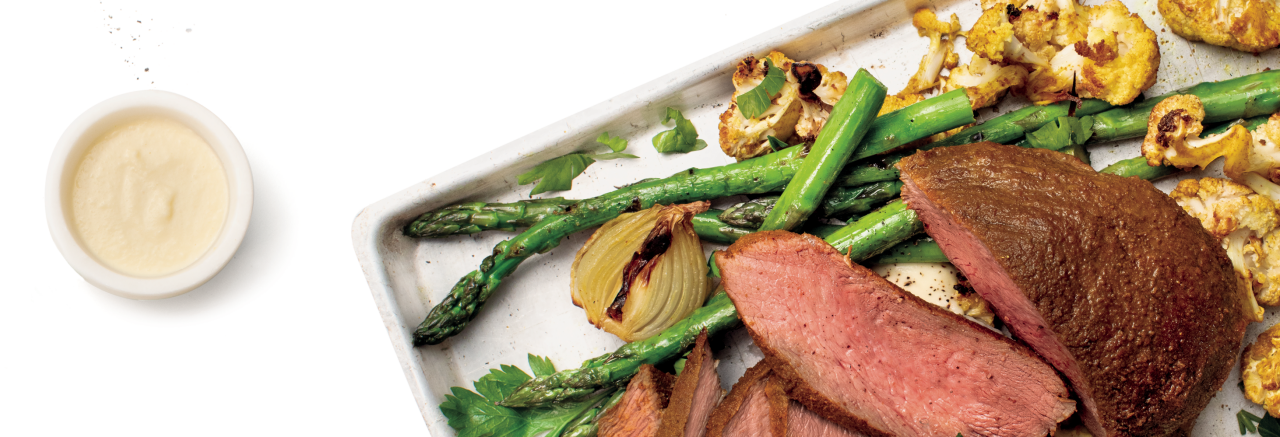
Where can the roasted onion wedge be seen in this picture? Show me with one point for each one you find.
(642, 272)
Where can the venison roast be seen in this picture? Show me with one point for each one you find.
(1104, 276)
(862, 352)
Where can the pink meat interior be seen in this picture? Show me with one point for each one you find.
(882, 355)
(994, 284)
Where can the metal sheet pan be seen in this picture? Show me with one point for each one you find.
(532, 312)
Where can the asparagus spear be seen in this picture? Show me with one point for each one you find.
(838, 140)
(861, 239)
(709, 227)
(1242, 97)
(763, 174)
(921, 249)
(839, 203)
(473, 217)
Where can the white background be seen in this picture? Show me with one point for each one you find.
(337, 106)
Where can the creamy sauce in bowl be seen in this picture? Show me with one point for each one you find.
(150, 197)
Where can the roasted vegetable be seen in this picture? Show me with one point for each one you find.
(1260, 370)
(1246, 224)
(795, 115)
(642, 272)
(850, 119)
(1246, 25)
(1101, 52)
(984, 81)
(941, 54)
(1173, 136)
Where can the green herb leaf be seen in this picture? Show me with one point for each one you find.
(614, 155)
(541, 366)
(477, 415)
(1246, 420)
(473, 415)
(1269, 426)
(617, 144)
(1062, 133)
(556, 174)
(777, 144)
(757, 100)
(681, 139)
(499, 383)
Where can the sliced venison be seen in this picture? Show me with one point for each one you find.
(860, 351)
(696, 393)
(758, 406)
(1104, 276)
(754, 407)
(639, 412)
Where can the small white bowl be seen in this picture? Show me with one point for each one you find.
(82, 134)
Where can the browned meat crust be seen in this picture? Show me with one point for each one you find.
(1107, 277)
(728, 408)
(639, 413)
(676, 418)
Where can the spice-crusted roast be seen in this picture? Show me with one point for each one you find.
(1104, 276)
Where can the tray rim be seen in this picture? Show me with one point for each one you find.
(374, 221)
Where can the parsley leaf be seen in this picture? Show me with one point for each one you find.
(1062, 132)
(557, 174)
(541, 366)
(755, 101)
(477, 415)
(681, 139)
(777, 144)
(1269, 427)
(617, 144)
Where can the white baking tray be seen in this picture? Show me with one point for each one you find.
(532, 312)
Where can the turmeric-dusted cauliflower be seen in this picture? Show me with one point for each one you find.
(1101, 52)
(985, 82)
(1260, 370)
(796, 114)
(1246, 223)
(1264, 152)
(942, 54)
(1173, 138)
(1245, 25)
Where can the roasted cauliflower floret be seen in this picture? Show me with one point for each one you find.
(1246, 223)
(1264, 152)
(1173, 137)
(985, 82)
(1246, 25)
(1260, 370)
(1101, 52)
(942, 37)
(796, 114)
